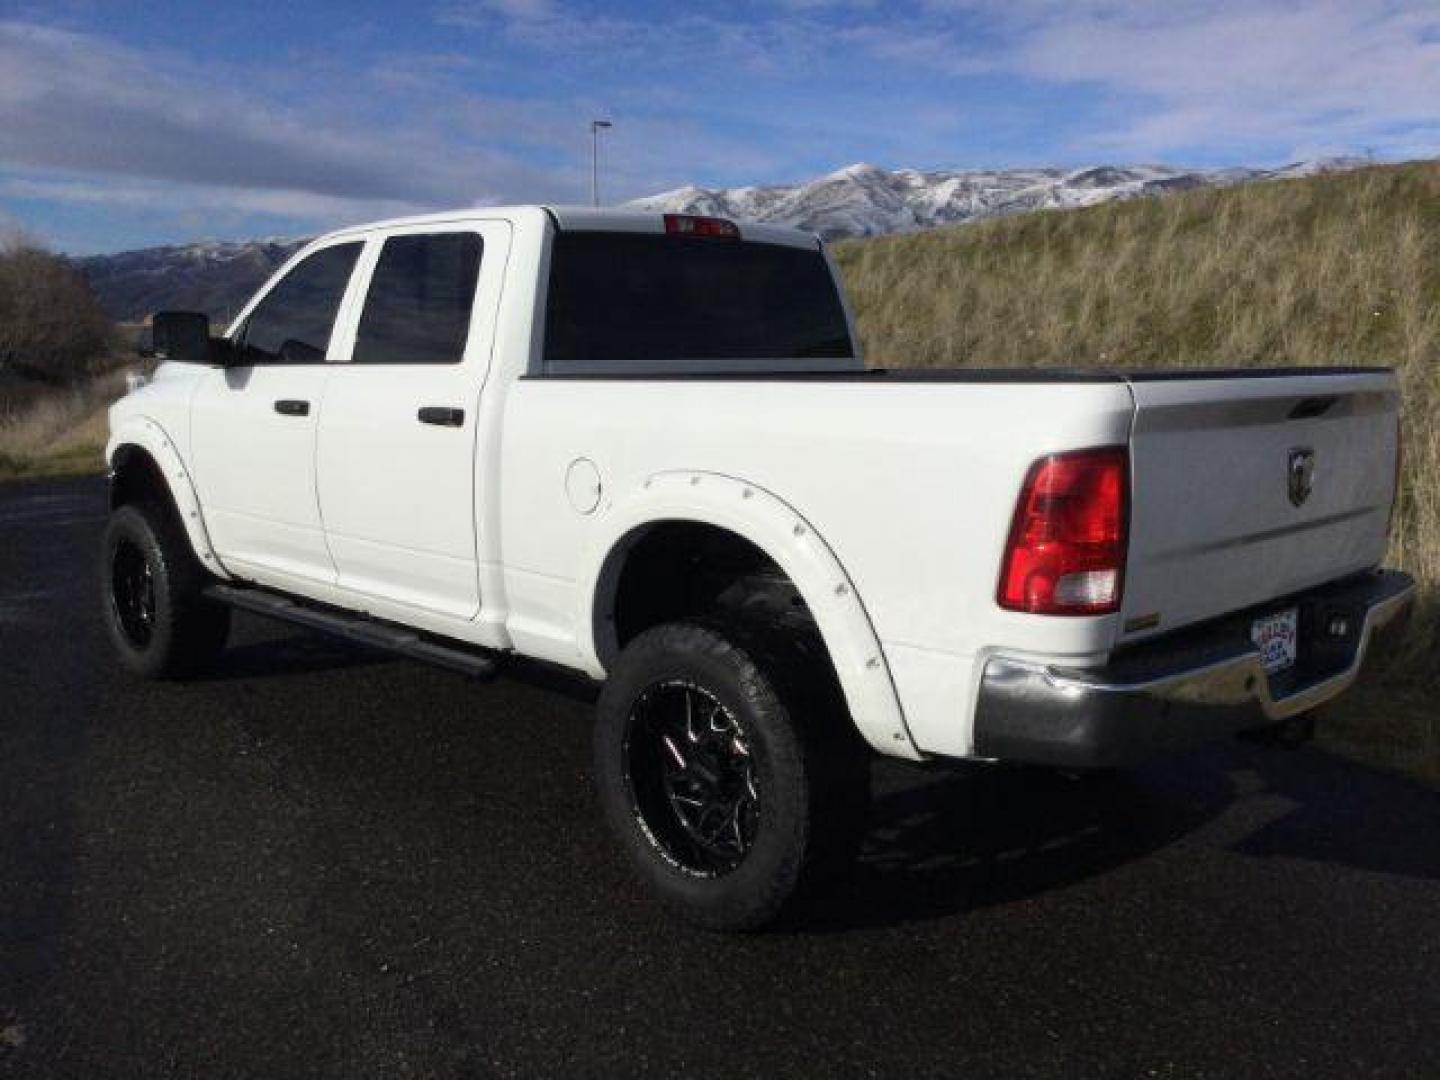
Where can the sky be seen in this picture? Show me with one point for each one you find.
(129, 125)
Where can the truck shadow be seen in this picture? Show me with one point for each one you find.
(981, 836)
(266, 650)
(974, 837)
(946, 839)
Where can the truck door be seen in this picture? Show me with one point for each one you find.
(398, 438)
(253, 428)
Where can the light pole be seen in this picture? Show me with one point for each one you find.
(595, 126)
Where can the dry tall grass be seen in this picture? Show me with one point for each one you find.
(62, 433)
(1339, 269)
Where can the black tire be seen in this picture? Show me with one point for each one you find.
(771, 744)
(157, 616)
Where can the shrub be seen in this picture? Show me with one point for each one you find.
(51, 327)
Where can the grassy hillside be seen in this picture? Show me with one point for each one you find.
(1336, 269)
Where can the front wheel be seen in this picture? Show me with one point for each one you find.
(725, 773)
(158, 618)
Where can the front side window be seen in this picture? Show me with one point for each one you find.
(292, 324)
(417, 310)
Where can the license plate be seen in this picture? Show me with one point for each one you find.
(1276, 636)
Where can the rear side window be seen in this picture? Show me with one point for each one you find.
(638, 301)
(418, 308)
(292, 324)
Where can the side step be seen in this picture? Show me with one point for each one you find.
(357, 628)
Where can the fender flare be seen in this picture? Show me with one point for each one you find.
(145, 434)
(758, 516)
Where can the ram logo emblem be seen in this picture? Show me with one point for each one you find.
(1302, 474)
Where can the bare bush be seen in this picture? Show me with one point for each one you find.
(51, 326)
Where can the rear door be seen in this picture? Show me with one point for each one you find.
(397, 442)
(1248, 489)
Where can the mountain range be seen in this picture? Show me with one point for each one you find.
(864, 200)
(859, 200)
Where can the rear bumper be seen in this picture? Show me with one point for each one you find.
(1184, 688)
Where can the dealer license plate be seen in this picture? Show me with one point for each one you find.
(1276, 637)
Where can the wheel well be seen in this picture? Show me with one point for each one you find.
(682, 569)
(136, 477)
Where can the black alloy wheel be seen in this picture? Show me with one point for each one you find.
(691, 778)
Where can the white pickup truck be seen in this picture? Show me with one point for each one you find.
(645, 448)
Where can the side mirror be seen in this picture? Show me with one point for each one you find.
(145, 342)
(180, 336)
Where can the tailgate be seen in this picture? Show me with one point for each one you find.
(1249, 488)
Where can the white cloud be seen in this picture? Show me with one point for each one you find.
(827, 5)
(1250, 73)
(524, 9)
(88, 123)
(1212, 74)
(763, 92)
(300, 206)
(82, 104)
(693, 42)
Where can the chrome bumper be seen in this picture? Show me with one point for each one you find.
(1182, 688)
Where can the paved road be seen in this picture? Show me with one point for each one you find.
(324, 861)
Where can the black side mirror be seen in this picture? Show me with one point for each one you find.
(181, 336)
(145, 342)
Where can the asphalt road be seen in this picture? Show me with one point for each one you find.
(324, 861)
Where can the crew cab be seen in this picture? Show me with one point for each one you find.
(646, 448)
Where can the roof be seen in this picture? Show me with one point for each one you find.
(583, 218)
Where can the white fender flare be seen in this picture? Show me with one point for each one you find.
(147, 435)
(773, 526)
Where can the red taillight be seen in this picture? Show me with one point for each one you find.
(1066, 554)
(690, 225)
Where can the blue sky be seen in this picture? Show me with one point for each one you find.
(180, 121)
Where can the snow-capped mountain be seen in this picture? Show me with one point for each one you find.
(863, 200)
(216, 276)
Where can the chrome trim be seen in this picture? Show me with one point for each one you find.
(1236, 681)
(1049, 714)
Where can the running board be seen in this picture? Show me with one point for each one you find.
(358, 628)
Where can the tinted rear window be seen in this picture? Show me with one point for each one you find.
(418, 308)
(626, 301)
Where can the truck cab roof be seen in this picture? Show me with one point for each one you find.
(584, 219)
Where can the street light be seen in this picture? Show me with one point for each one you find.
(595, 126)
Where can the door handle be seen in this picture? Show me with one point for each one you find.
(441, 415)
(291, 407)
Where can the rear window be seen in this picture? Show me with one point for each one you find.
(641, 301)
(418, 307)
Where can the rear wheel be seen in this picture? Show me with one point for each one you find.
(731, 783)
(158, 618)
